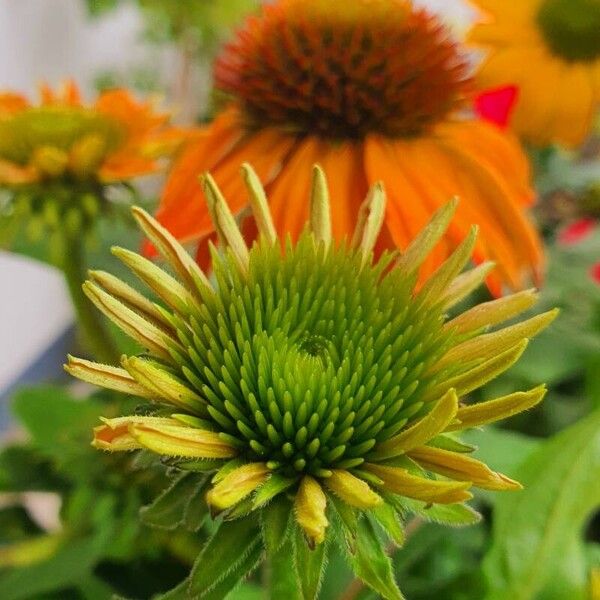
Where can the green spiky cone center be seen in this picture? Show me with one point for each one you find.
(309, 361)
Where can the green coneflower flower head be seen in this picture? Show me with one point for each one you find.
(311, 391)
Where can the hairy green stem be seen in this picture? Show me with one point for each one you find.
(69, 257)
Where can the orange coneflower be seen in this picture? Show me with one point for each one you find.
(113, 139)
(376, 91)
(58, 159)
(550, 49)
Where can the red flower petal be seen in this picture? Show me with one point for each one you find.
(576, 231)
(595, 273)
(496, 105)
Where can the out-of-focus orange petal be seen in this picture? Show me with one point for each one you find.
(289, 194)
(409, 207)
(137, 117)
(504, 210)
(222, 151)
(125, 165)
(14, 174)
(12, 103)
(497, 149)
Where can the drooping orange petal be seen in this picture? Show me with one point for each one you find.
(409, 206)
(499, 150)
(492, 190)
(289, 193)
(221, 150)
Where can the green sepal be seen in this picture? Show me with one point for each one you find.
(274, 520)
(228, 467)
(168, 509)
(371, 564)
(284, 580)
(196, 510)
(309, 565)
(387, 516)
(347, 518)
(234, 578)
(271, 488)
(201, 465)
(241, 509)
(455, 515)
(447, 441)
(223, 555)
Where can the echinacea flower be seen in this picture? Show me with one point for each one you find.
(57, 161)
(62, 152)
(318, 390)
(549, 49)
(376, 91)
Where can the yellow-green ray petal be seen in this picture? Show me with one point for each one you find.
(465, 283)
(236, 485)
(352, 490)
(320, 212)
(179, 440)
(133, 324)
(163, 384)
(114, 434)
(479, 375)
(490, 344)
(462, 468)
(163, 285)
(129, 296)
(497, 409)
(400, 481)
(172, 251)
(433, 423)
(310, 505)
(420, 248)
(259, 204)
(224, 222)
(434, 287)
(493, 312)
(106, 376)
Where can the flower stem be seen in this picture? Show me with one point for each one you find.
(69, 257)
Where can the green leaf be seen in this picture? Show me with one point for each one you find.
(284, 582)
(537, 551)
(229, 547)
(169, 509)
(22, 469)
(60, 427)
(371, 563)
(309, 564)
(274, 520)
(70, 564)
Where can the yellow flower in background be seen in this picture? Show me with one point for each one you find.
(113, 139)
(550, 49)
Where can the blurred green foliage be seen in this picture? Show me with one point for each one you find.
(172, 20)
